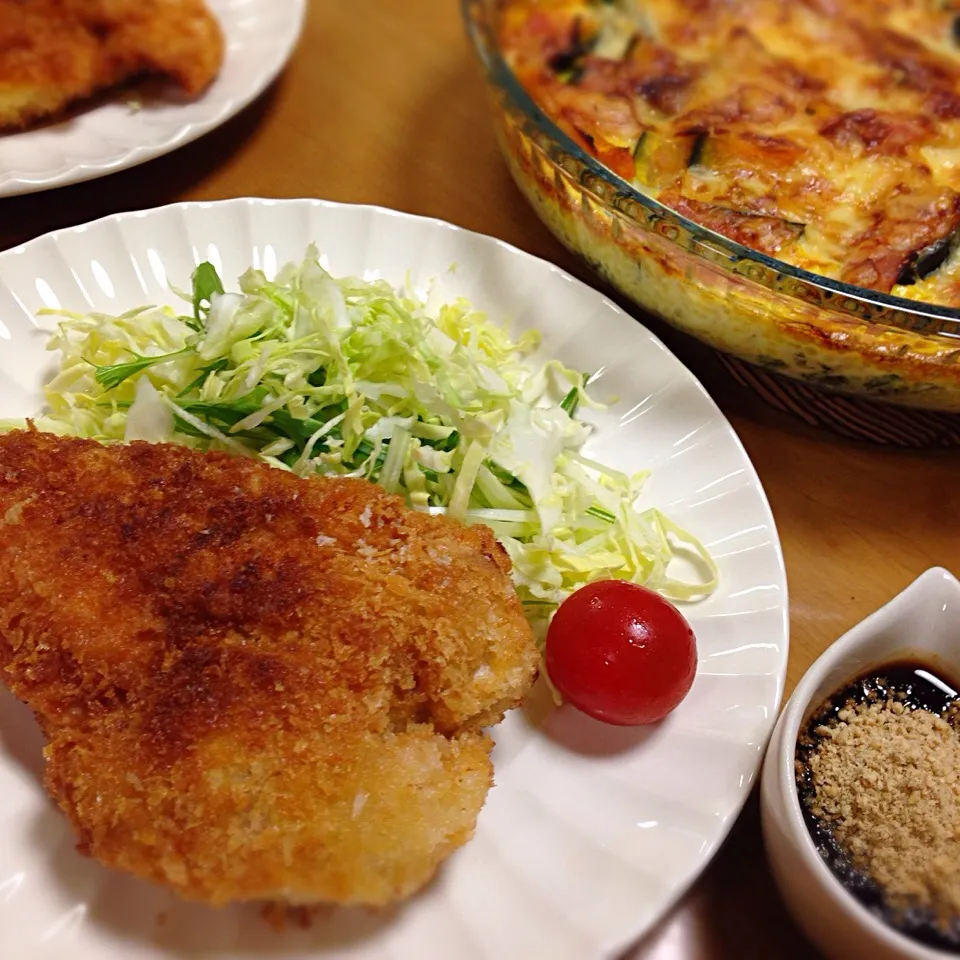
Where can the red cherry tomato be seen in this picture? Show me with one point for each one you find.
(621, 653)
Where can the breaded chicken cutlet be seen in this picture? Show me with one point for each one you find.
(253, 686)
(55, 52)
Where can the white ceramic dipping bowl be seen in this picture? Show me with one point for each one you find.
(921, 622)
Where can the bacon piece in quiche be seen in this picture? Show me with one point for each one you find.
(767, 234)
(878, 131)
(914, 222)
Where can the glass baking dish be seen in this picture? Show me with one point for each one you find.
(744, 303)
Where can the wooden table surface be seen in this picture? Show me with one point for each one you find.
(384, 103)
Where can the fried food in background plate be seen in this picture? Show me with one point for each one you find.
(55, 52)
(253, 686)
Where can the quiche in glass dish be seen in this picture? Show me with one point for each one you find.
(779, 179)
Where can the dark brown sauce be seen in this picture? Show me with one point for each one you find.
(919, 686)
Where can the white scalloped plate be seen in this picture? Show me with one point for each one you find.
(111, 135)
(591, 832)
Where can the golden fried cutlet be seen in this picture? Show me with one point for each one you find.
(253, 686)
(54, 52)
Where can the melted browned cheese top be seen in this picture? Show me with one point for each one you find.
(825, 133)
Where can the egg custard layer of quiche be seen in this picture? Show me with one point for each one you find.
(825, 133)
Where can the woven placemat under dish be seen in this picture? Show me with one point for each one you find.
(868, 421)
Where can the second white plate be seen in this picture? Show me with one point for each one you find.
(591, 832)
(111, 135)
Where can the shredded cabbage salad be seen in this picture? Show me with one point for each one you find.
(323, 375)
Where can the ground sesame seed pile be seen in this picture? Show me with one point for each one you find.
(886, 779)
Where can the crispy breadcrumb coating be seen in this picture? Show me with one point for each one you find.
(54, 52)
(253, 686)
